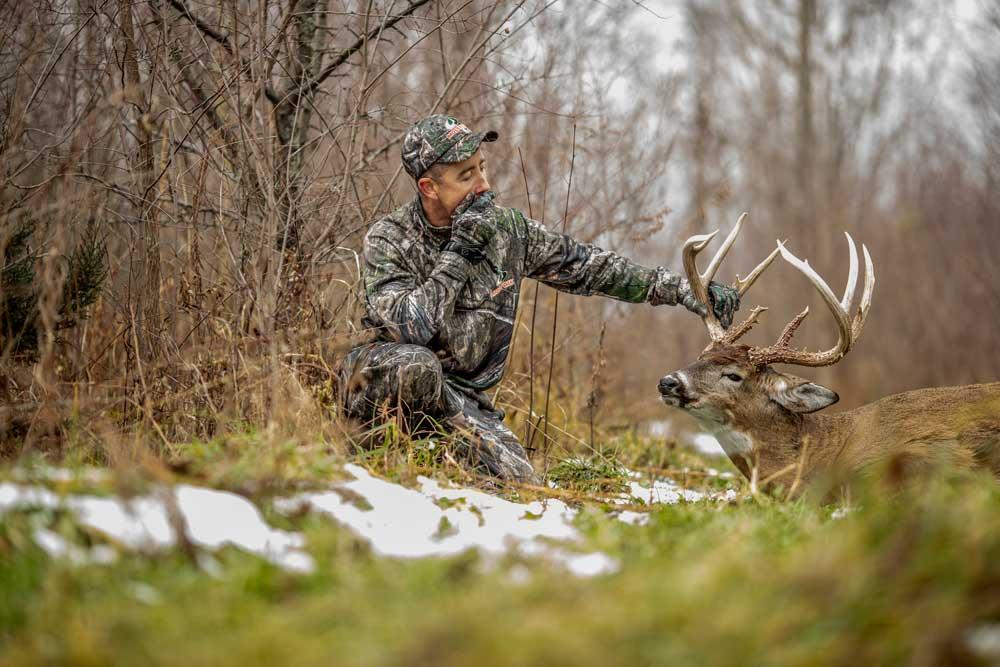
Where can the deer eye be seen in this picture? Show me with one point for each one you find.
(735, 377)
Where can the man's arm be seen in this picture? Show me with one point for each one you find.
(580, 268)
(412, 312)
(559, 261)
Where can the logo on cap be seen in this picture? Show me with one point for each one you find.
(457, 129)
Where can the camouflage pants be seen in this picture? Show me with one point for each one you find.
(410, 377)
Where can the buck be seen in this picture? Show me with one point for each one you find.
(765, 419)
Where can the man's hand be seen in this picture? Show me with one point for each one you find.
(472, 225)
(725, 301)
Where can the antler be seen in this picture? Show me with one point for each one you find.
(699, 281)
(848, 330)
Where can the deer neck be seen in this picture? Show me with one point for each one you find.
(797, 445)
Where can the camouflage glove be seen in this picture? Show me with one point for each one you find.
(725, 301)
(472, 226)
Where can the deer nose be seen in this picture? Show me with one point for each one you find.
(669, 384)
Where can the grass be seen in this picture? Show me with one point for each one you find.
(594, 475)
(907, 576)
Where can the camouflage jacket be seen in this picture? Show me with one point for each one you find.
(415, 292)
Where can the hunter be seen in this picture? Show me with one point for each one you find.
(442, 275)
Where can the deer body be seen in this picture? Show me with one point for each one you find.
(766, 420)
(954, 426)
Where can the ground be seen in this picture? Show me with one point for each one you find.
(894, 576)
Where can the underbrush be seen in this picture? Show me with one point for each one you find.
(901, 576)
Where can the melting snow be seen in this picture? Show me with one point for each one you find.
(664, 491)
(211, 519)
(434, 519)
(440, 521)
(633, 518)
(840, 513)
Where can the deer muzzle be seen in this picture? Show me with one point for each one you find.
(673, 390)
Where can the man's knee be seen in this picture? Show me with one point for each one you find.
(419, 377)
(393, 373)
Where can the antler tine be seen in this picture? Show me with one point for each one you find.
(740, 330)
(839, 314)
(699, 281)
(792, 327)
(692, 248)
(742, 285)
(866, 296)
(699, 287)
(781, 353)
(852, 275)
(727, 245)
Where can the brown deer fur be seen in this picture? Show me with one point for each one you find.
(765, 422)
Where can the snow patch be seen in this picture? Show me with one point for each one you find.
(433, 520)
(444, 521)
(633, 518)
(211, 519)
(983, 641)
(666, 492)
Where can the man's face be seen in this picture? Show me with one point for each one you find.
(452, 182)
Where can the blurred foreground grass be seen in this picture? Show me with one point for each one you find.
(907, 577)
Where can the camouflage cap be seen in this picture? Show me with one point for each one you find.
(440, 139)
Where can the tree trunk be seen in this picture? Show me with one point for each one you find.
(144, 301)
(806, 147)
(292, 116)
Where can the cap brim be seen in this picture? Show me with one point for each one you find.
(466, 148)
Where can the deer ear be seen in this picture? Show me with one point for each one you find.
(803, 397)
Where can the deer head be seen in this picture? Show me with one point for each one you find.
(754, 410)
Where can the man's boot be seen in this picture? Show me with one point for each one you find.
(492, 445)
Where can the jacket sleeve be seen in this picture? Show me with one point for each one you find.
(559, 261)
(411, 312)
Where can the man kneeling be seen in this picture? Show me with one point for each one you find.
(442, 277)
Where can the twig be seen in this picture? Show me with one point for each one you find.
(555, 315)
(531, 344)
(513, 336)
(598, 365)
(53, 62)
(409, 48)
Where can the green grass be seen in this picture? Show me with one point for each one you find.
(595, 475)
(903, 578)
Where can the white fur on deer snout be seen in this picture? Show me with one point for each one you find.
(683, 378)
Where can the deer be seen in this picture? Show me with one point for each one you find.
(768, 422)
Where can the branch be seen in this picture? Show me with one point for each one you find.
(223, 40)
(310, 86)
(208, 30)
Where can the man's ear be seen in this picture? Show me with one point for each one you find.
(427, 187)
(801, 396)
